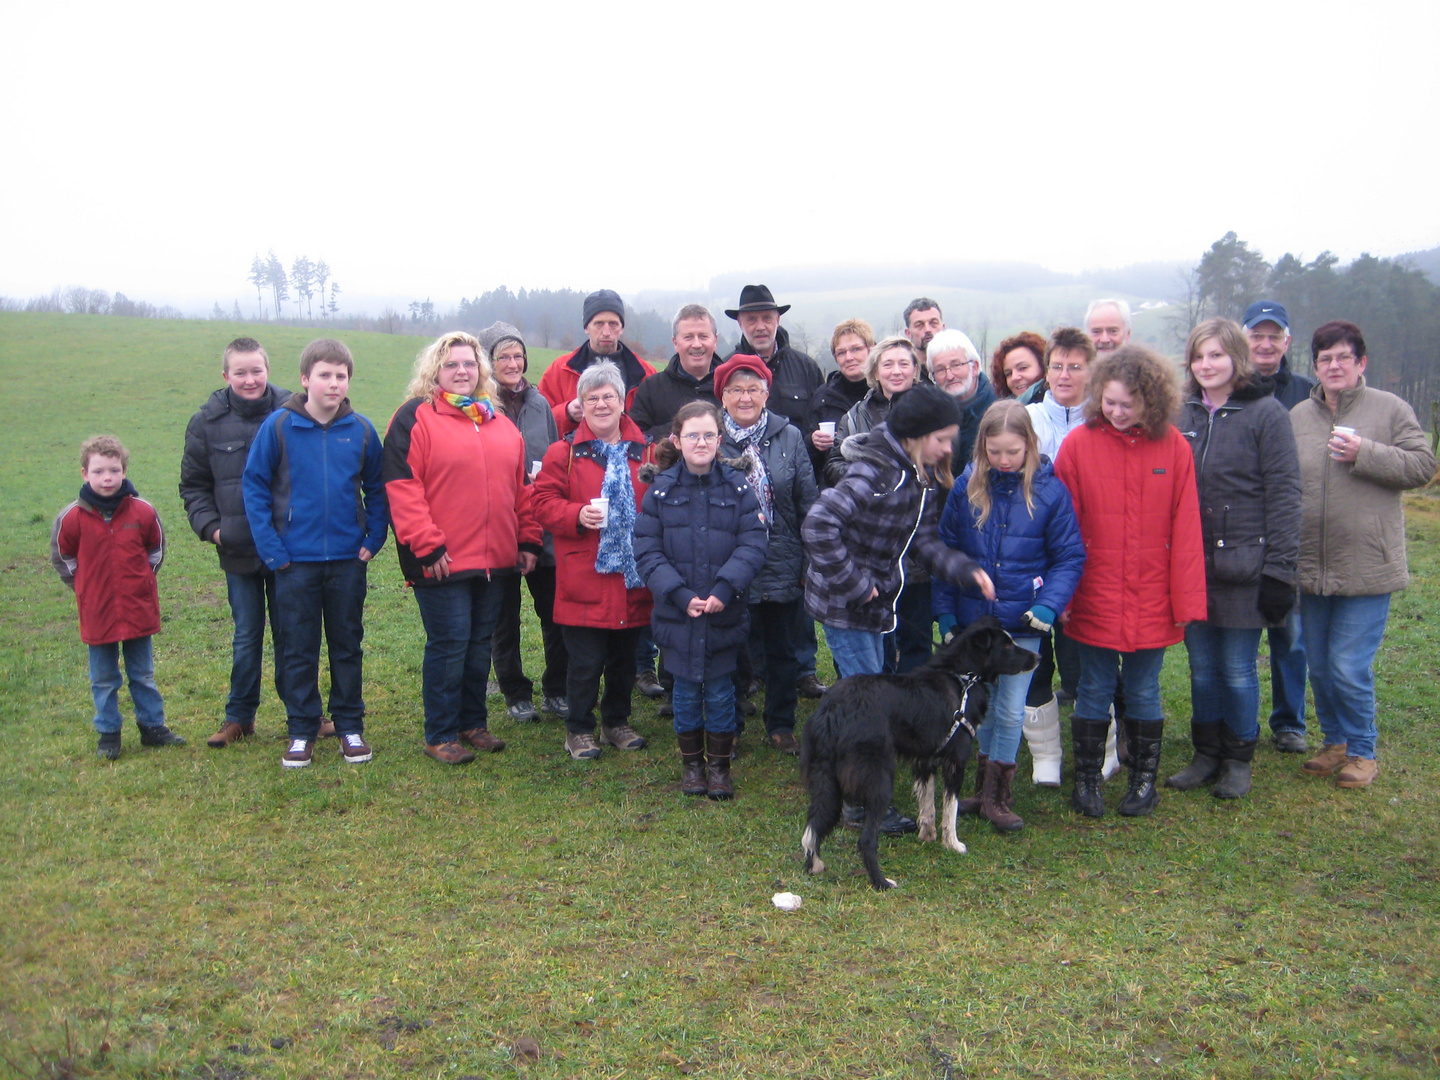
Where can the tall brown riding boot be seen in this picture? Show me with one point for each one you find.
(692, 758)
(972, 804)
(718, 747)
(995, 798)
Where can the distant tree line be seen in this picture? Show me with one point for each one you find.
(78, 300)
(1395, 304)
(303, 284)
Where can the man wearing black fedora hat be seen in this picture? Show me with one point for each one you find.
(796, 377)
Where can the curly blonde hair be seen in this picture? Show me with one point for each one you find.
(425, 379)
(1145, 374)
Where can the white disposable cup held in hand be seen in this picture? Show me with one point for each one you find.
(603, 505)
(1340, 431)
(827, 427)
(535, 468)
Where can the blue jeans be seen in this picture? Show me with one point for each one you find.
(460, 618)
(1287, 676)
(105, 684)
(310, 596)
(707, 706)
(856, 652)
(1100, 672)
(645, 651)
(1224, 680)
(1342, 635)
(250, 595)
(1005, 718)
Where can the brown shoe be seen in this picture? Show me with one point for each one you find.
(327, 728)
(692, 760)
(1358, 772)
(972, 804)
(718, 749)
(995, 798)
(451, 753)
(1328, 761)
(229, 732)
(622, 737)
(482, 740)
(784, 741)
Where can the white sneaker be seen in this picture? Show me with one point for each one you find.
(1042, 732)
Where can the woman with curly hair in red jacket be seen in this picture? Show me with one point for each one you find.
(1132, 478)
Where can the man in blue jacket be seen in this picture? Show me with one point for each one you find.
(317, 512)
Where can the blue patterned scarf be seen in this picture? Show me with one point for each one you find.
(617, 539)
(752, 461)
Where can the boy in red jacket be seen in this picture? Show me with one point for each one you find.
(108, 546)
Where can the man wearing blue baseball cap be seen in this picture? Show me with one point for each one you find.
(1267, 325)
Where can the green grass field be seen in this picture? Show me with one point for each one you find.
(196, 913)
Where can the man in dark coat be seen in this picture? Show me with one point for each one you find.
(796, 376)
(1267, 327)
(690, 375)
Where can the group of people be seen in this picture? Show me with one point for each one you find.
(717, 510)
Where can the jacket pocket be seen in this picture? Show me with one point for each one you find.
(1237, 564)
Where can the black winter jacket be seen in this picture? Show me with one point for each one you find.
(217, 442)
(1248, 474)
(795, 379)
(970, 414)
(864, 415)
(792, 488)
(1291, 387)
(836, 396)
(699, 536)
(663, 394)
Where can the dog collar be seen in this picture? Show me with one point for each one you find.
(965, 682)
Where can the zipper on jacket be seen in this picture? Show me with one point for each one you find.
(919, 516)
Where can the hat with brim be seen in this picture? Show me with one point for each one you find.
(756, 298)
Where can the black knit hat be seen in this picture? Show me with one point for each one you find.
(920, 410)
(603, 300)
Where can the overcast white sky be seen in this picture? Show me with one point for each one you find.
(442, 149)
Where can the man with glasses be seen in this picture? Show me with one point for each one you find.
(1267, 327)
(954, 367)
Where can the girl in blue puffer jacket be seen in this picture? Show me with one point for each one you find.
(1011, 515)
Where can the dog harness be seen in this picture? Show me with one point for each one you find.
(965, 682)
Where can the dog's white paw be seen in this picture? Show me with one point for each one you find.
(816, 866)
(891, 883)
(957, 846)
(927, 831)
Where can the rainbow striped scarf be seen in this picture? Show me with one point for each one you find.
(478, 409)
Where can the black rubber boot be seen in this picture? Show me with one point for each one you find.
(1234, 782)
(1205, 764)
(1088, 737)
(719, 746)
(1143, 796)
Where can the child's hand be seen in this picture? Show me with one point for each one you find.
(713, 606)
(215, 538)
(984, 584)
(695, 608)
(365, 555)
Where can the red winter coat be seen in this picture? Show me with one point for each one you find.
(456, 488)
(1139, 515)
(558, 384)
(111, 565)
(570, 477)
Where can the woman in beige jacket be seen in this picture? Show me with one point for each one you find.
(1359, 449)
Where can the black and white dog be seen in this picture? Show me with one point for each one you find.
(929, 716)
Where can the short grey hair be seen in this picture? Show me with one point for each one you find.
(1119, 305)
(951, 341)
(894, 341)
(692, 311)
(600, 373)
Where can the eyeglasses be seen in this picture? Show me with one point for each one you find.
(939, 370)
(1073, 369)
(602, 399)
(1343, 360)
(746, 391)
(460, 365)
(706, 437)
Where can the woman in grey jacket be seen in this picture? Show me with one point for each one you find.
(1359, 449)
(1249, 482)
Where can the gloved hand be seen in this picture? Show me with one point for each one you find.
(1276, 601)
(1040, 618)
(947, 627)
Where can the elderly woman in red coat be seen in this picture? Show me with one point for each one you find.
(1132, 477)
(601, 603)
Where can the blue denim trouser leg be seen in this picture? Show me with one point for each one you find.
(105, 684)
(460, 618)
(1342, 635)
(311, 597)
(645, 651)
(707, 706)
(1100, 673)
(856, 652)
(774, 634)
(250, 595)
(1287, 676)
(1004, 719)
(1224, 680)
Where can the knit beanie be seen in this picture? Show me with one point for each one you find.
(603, 300)
(497, 334)
(920, 410)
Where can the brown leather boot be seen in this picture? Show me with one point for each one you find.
(229, 732)
(692, 758)
(718, 747)
(995, 798)
(972, 804)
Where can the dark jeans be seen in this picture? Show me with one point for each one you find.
(309, 595)
(505, 645)
(806, 648)
(594, 653)
(909, 644)
(1287, 675)
(1067, 661)
(775, 632)
(459, 618)
(250, 595)
(1041, 689)
(646, 651)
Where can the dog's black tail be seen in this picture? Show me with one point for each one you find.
(806, 749)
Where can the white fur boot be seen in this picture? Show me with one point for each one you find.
(1042, 732)
(1112, 759)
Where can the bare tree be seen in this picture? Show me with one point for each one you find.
(278, 280)
(302, 277)
(334, 292)
(321, 274)
(1190, 310)
(258, 279)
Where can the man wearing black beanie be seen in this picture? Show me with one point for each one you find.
(604, 322)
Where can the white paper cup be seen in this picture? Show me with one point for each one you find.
(1347, 431)
(828, 427)
(535, 468)
(603, 505)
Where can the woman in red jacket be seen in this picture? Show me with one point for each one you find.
(460, 505)
(588, 496)
(1132, 478)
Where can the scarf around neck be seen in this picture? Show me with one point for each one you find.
(752, 461)
(478, 409)
(616, 554)
(107, 505)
